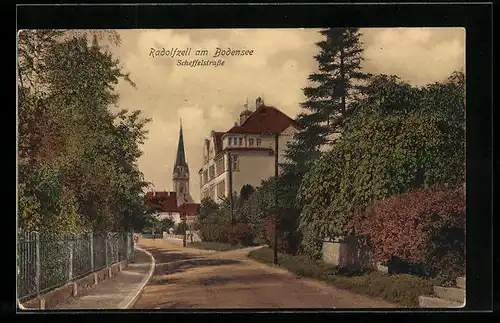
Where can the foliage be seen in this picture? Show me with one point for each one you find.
(77, 160)
(153, 224)
(399, 289)
(180, 228)
(260, 209)
(239, 233)
(387, 149)
(213, 220)
(335, 86)
(214, 232)
(208, 208)
(246, 191)
(424, 226)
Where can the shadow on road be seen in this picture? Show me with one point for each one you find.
(252, 279)
(173, 261)
(181, 266)
(165, 256)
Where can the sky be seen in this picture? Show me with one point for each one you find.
(210, 98)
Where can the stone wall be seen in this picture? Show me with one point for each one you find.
(349, 253)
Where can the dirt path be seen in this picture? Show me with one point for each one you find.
(193, 278)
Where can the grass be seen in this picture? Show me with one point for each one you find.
(400, 289)
(218, 246)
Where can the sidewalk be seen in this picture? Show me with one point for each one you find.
(119, 292)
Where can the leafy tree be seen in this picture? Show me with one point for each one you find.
(246, 191)
(387, 149)
(180, 228)
(208, 208)
(77, 160)
(260, 212)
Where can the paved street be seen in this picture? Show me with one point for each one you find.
(191, 278)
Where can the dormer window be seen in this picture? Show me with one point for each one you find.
(229, 141)
(250, 142)
(241, 142)
(259, 141)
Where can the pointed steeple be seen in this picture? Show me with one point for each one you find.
(181, 157)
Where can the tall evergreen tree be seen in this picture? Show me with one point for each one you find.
(337, 84)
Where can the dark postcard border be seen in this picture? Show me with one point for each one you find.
(476, 18)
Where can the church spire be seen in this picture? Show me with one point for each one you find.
(181, 157)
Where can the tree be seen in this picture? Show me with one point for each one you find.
(208, 208)
(387, 149)
(246, 191)
(336, 86)
(77, 160)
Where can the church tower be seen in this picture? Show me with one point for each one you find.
(181, 174)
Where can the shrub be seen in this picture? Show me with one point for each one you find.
(288, 237)
(180, 228)
(423, 228)
(213, 232)
(240, 233)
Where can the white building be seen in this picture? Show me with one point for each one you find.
(251, 145)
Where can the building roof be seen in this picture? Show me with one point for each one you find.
(163, 201)
(265, 120)
(189, 209)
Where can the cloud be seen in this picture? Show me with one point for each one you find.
(414, 54)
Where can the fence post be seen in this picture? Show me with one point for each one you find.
(91, 241)
(38, 267)
(70, 267)
(106, 248)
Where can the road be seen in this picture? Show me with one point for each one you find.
(188, 278)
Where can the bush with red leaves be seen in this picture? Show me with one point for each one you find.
(425, 226)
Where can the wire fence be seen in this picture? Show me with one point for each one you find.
(47, 261)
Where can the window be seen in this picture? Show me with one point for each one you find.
(241, 141)
(235, 164)
(221, 189)
(229, 141)
(181, 189)
(205, 176)
(212, 172)
(250, 142)
(258, 141)
(220, 167)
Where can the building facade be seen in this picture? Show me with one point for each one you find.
(250, 147)
(177, 204)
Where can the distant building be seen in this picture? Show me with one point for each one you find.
(179, 203)
(251, 144)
